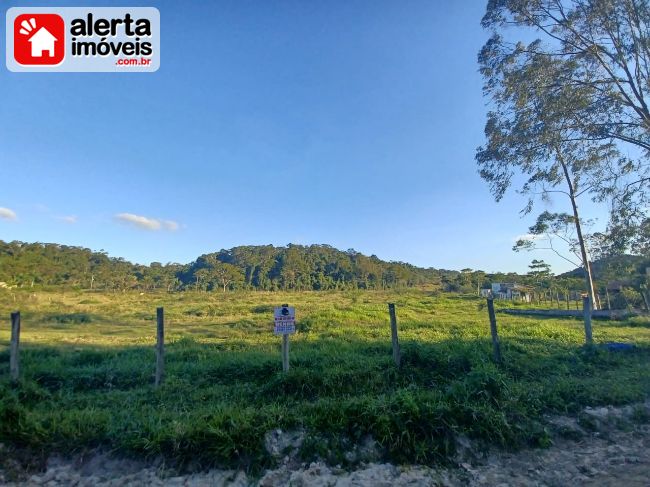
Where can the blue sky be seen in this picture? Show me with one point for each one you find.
(352, 123)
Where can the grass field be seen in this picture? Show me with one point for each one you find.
(88, 361)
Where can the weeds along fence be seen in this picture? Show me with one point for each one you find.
(616, 301)
(159, 375)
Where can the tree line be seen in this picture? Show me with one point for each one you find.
(265, 267)
(269, 268)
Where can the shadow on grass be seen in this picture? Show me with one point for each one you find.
(219, 400)
(630, 323)
(333, 366)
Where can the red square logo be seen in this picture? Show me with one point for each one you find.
(39, 39)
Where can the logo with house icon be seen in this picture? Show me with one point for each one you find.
(39, 39)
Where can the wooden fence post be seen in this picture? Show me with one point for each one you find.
(393, 332)
(14, 353)
(586, 305)
(160, 346)
(493, 330)
(285, 352)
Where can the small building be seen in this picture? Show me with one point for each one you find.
(512, 290)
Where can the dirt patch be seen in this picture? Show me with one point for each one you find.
(604, 446)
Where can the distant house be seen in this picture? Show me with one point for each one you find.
(42, 41)
(511, 290)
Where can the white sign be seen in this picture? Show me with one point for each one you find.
(285, 320)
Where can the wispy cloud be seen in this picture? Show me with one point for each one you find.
(7, 214)
(139, 221)
(71, 219)
(170, 225)
(145, 223)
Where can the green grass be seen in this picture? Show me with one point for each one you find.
(88, 364)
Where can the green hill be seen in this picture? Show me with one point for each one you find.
(294, 267)
(627, 268)
(266, 267)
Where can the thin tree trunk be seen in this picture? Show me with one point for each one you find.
(643, 289)
(583, 247)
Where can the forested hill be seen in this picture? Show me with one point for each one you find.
(626, 268)
(265, 267)
(314, 267)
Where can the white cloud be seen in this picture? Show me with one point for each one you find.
(145, 223)
(7, 214)
(139, 221)
(170, 225)
(68, 219)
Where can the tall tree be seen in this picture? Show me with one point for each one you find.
(539, 269)
(530, 134)
(598, 51)
(227, 274)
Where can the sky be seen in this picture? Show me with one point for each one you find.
(349, 123)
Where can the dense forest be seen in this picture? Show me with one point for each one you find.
(294, 267)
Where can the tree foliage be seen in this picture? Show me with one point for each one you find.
(539, 269)
(580, 90)
(294, 267)
(321, 267)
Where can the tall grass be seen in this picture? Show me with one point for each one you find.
(88, 364)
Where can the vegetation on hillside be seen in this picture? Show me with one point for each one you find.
(294, 267)
(268, 268)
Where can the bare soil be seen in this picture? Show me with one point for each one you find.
(602, 447)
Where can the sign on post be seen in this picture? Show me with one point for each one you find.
(285, 320)
(285, 324)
